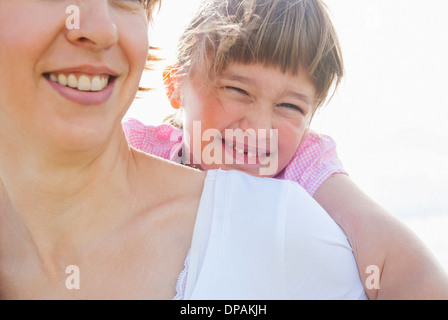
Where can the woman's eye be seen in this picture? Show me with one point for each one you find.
(129, 4)
(292, 107)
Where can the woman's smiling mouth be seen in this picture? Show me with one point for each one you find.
(85, 88)
(79, 81)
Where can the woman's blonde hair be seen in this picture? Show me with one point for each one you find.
(150, 7)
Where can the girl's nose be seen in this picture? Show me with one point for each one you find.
(97, 29)
(259, 123)
(259, 117)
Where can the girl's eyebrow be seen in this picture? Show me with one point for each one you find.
(298, 95)
(236, 77)
(251, 82)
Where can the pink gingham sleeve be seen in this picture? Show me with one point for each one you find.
(159, 140)
(314, 162)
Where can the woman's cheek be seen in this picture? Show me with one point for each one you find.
(135, 39)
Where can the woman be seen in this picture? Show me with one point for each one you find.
(74, 196)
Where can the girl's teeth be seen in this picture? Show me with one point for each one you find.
(238, 150)
(241, 151)
(83, 83)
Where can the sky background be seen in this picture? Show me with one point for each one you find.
(389, 117)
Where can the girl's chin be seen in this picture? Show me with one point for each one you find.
(253, 170)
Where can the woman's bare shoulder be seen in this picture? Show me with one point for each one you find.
(165, 180)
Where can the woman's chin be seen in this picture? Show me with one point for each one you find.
(77, 137)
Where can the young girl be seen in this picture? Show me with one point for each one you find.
(266, 66)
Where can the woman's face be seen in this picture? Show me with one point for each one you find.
(63, 84)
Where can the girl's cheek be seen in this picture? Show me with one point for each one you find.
(290, 138)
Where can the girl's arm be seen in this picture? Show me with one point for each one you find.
(406, 268)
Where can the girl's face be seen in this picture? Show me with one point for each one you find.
(69, 72)
(269, 109)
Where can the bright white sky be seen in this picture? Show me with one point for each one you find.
(389, 118)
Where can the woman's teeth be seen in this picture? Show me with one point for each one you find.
(81, 82)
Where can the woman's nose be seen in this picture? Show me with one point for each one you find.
(97, 29)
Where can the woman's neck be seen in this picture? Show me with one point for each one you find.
(51, 198)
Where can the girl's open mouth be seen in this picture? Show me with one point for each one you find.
(251, 152)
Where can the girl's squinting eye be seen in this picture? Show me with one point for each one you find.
(293, 107)
(236, 90)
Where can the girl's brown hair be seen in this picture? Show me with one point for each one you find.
(292, 35)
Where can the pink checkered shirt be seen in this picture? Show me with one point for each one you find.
(313, 163)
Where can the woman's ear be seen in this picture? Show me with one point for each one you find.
(171, 82)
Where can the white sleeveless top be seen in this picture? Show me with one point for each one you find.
(261, 238)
